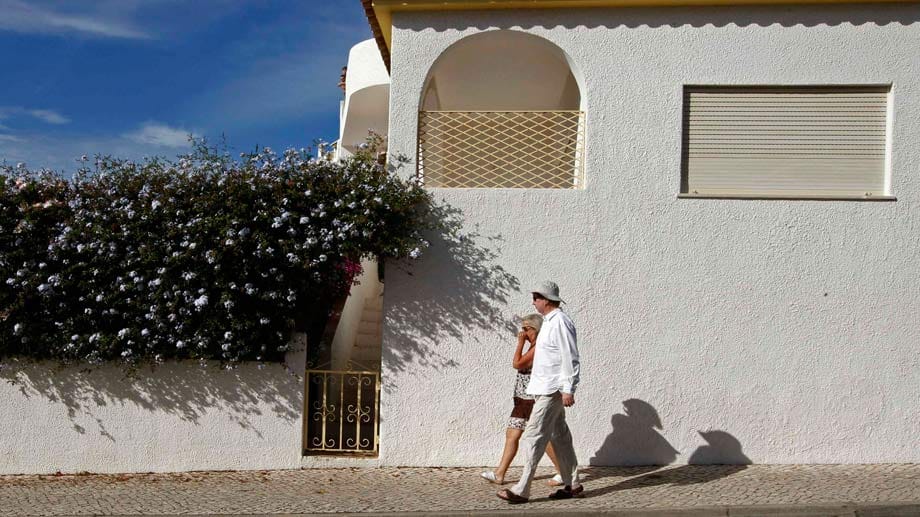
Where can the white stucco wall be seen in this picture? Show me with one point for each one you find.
(176, 417)
(734, 330)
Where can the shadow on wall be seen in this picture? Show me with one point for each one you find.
(696, 16)
(469, 293)
(636, 442)
(185, 390)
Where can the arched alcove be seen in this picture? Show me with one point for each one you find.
(502, 109)
(502, 70)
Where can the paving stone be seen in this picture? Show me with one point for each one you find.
(696, 491)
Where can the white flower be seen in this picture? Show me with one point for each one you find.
(201, 301)
(17, 328)
(321, 258)
(415, 253)
(264, 321)
(304, 220)
(145, 333)
(154, 205)
(225, 347)
(123, 332)
(180, 344)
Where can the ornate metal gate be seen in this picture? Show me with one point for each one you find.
(341, 411)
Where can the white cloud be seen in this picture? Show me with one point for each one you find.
(51, 117)
(61, 152)
(153, 133)
(19, 16)
(47, 116)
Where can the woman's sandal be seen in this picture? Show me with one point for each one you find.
(490, 477)
(511, 497)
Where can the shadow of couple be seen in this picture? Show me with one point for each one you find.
(640, 451)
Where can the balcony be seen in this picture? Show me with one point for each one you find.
(502, 109)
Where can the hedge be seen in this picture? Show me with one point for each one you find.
(203, 257)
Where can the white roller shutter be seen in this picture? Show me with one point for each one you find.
(778, 141)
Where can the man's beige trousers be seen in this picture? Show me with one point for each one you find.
(546, 424)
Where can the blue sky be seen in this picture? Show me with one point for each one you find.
(133, 78)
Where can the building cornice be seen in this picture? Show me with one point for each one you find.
(379, 12)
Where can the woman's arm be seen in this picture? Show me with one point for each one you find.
(521, 360)
(526, 361)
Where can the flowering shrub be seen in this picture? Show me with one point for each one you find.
(207, 257)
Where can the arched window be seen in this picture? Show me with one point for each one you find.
(501, 109)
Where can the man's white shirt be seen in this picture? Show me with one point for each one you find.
(555, 364)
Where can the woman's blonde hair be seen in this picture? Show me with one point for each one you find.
(534, 321)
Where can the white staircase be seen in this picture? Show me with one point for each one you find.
(366, 349)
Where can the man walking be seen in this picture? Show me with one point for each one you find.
(553, 380)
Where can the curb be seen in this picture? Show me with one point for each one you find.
(810, 510)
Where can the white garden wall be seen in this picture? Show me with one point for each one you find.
(176, 417)
(710, 330)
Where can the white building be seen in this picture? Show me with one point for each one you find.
(724, 194)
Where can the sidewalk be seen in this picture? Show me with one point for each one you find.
(677, 490)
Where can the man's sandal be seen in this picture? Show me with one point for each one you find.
(511, 497)
(567, 492)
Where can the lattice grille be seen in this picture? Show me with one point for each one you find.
(501, 149)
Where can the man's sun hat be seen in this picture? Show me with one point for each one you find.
(548, 290)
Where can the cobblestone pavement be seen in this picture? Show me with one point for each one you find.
(453, 489)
